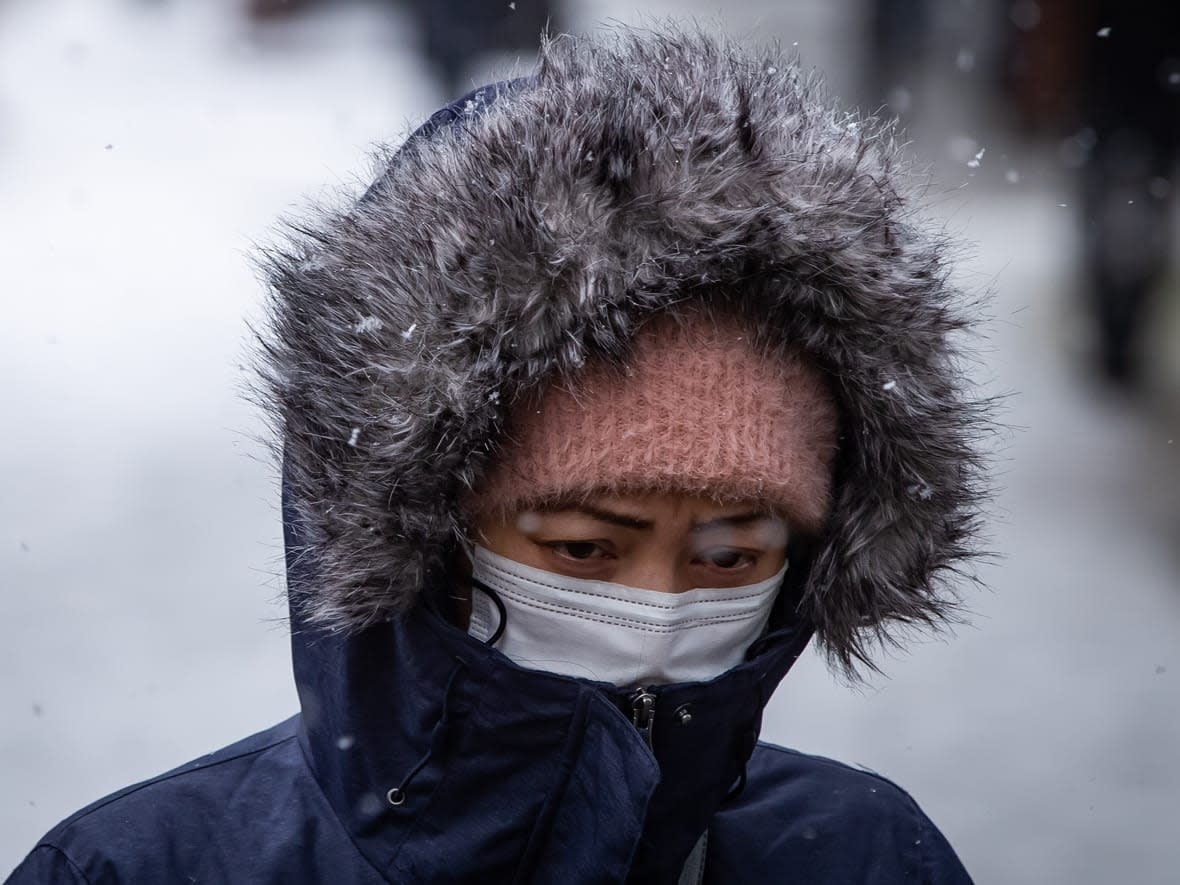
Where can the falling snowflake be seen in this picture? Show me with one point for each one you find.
(900, 99)
(889, 385)
(410, 331)
(369, 324)
(354, 436)
(1104, 32)
(974, 161)
(1012, 176)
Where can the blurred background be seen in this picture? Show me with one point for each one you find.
(147, 147)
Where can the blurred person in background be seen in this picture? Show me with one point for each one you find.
(897, 47)
(1103, 78)
(1131, 105)
(455, 33)
(621, 383)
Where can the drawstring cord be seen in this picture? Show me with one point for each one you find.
(397, 795)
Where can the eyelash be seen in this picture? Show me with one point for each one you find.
(557, 546)
(745, 560)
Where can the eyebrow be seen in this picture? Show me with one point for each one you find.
(736, 519)
(634, 522)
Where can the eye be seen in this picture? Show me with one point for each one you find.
(728, 559)
(579, 550)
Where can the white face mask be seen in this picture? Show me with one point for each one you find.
(614, 633)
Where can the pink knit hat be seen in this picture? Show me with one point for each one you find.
(697, 409)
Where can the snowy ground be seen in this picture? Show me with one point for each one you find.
(145, 146)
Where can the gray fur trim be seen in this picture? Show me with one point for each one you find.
(641, 169)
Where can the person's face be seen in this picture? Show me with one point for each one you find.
(665, 542)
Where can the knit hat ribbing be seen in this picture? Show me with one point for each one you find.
(697, 409)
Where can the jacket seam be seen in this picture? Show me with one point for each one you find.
(924, 858)
(835, 763)
(549, 811)
(74, 868)
(164, 778)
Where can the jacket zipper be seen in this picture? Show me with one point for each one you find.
(643, 713)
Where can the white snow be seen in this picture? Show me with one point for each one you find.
(369, 324)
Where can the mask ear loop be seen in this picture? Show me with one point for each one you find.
(468, 549)
(499, 603)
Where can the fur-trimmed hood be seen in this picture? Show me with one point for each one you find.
(634, 171)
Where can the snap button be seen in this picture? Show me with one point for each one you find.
(683, 714)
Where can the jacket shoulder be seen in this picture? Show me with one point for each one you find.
(837, 822)
(183, 823)
(46, 865)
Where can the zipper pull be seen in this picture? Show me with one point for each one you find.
(643, 713)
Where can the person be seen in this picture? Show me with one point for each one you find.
(454, 33)
(621, 383)
(1130, 103)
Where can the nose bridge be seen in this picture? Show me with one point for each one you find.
(656, 566)
(658, 562)
(656, 576)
